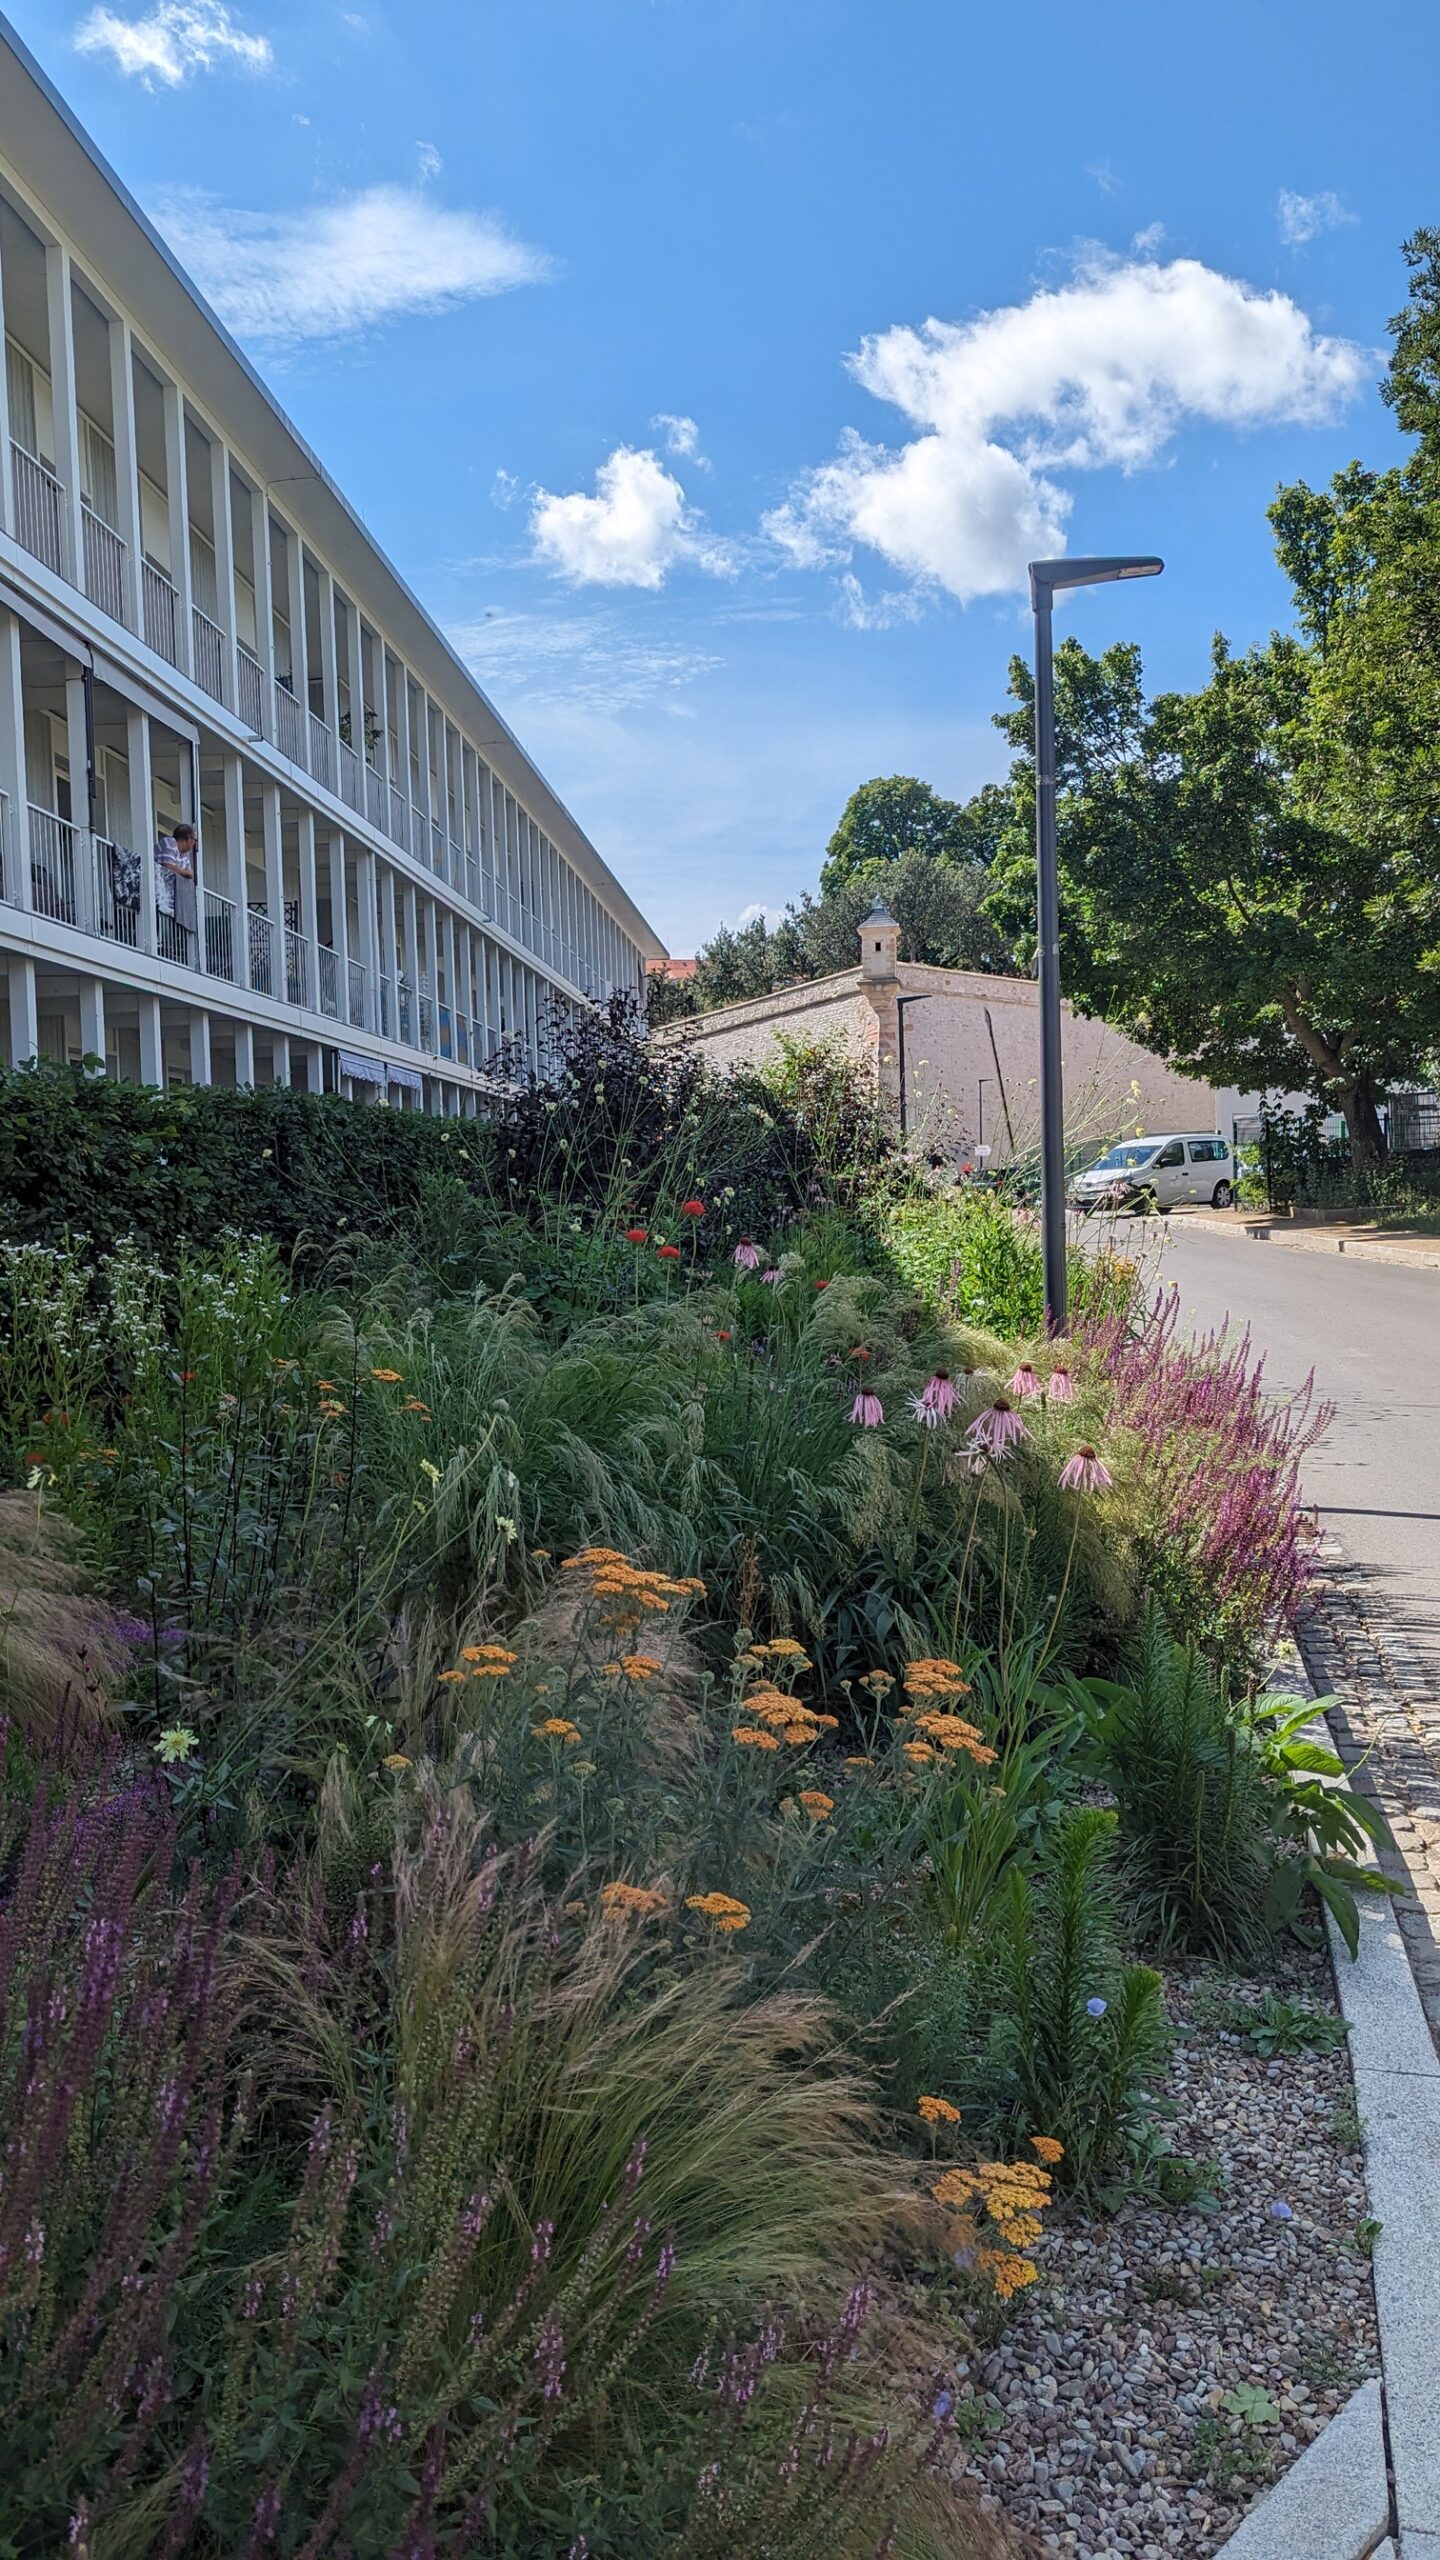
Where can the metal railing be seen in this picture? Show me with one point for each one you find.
(357, 974)
(174, 941)
(328, 964)
(321, 758)
(406, 1013)
(219, 935)
(437, 847)
(351, 789)
(54, 884)
(386, 1008)
(104, 564)
(419, 834)
(209, 646)
(39, 509)
(9, 866)
(289, 725)
(260, 935)
(297, 968)
(427, 1019)
(396, 828)
(160, 601)
(447, 1045)
(250, 683)
(462, 1039)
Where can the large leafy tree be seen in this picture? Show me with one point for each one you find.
(1251, 873)
(886, 819)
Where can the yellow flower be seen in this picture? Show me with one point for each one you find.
(539, 1555)
(952, 1733)
(754, 1736)
(1048, 2148)
(917, 1753)
(722, 1908)
(397, 1759)
(331, 1410)
(428, 1468)
(937, 2111)
(388, 1377)
(858, 1760)
(176, 1743)
(449, 1675)
(557, 1729)
(499, 1653)
(641, 1666)
(415, 1404)
(630, 1901)
(817, 1804)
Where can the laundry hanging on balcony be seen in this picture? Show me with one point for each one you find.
(125, 877)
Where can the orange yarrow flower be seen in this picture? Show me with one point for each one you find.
(557, 1729)
(937, 2111)
(620, 1901)
(721, 1908)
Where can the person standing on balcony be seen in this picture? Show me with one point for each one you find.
(175, 876)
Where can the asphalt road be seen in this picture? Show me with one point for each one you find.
(1370, 1331)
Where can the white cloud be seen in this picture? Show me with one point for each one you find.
(172, 40)
(753, 913)
(632, 533)
(334, 269)
(682, 438)
(428, 162)
(581, 664)
(1099, 372)
(1303, 218)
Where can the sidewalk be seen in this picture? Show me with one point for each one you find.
(1300, 1235)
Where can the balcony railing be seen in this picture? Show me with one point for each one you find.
(328, 962)
(447, 1045)
(462, 1039)
(250, 679)
(219, 936)
(351, 787)
(419, 834)
(261, 942)
(174, 941)
(9, 863)
(406, 1015)
(297, 968)
(375, 796)
(386, 1007)
(321, 758)
(437, 847)
(39, 509)
(209, 645)
(115, 874)
(160, 601)
(357, 973)
(289, 725)
(427, 1019)
(55, 875)
(104, 564)
(396, 828)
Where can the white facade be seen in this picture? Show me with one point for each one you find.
(194, 625)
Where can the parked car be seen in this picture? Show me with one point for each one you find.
(1145, 1174)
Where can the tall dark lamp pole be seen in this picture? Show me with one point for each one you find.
(1045, 577)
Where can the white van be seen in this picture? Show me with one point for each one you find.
(1142, 1174)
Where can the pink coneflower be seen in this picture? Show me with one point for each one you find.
(1060, 1387)
(867, 1410)
(771, 1279)
(998, 1428)
(748, 1256)
(1025, 1383)
(936, 1402)
(1086, 1472)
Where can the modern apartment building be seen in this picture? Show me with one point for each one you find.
(196, 628)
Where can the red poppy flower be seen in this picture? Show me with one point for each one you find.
(637, 1235)
(722, 1337)
(692, 1208)
(668, 1252)
(822, 1284)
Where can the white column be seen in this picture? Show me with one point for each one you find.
(279, 1057)
(24, 1012)
(295, 607)
(355, 678)
(432, 972)
(7, 473)
(368, 920)
(329, 673)
(224, 557)
(274, 857)
(127, 467)
(152, 1042)
(412, 958)
(264, 597)
(142, 817)
(200, 1048)
(92, 1020)
(12, 767)
(389, 949)
(339, 919)
(77, 748)
(62, 392)
(244, 1054)
(177, 497)
(309, 901)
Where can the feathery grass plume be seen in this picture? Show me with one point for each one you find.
(60, 1650)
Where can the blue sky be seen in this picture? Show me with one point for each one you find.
(611, 317)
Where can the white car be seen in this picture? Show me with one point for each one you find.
(1143, 1174)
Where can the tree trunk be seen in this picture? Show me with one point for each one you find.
(1362, 1119)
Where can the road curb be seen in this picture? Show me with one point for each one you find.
(1295, 1240)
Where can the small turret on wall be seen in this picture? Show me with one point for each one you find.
(880, 981)
(879, 945)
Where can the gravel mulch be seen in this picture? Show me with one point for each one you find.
(1105, 2432)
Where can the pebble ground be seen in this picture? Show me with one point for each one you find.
(1101, 2425)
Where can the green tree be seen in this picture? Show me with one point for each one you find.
(939, 907)
(1251, 873)
(898, 815)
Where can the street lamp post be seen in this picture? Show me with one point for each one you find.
(1045, 577)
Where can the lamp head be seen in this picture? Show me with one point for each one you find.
(1047, 575)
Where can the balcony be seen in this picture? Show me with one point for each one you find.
(9, 864)
(386, 1009)
(250, 686)
(290, 722)
(375, 799)
(396, 828)
(39, 509)
(209, 646)
(406, 1014)
(351, 788)
(358, 1007)
(260, 942)
(104, 564)
(161, 612)
(219, 936)
(328, 963)
(321, 756)
(297, 968)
